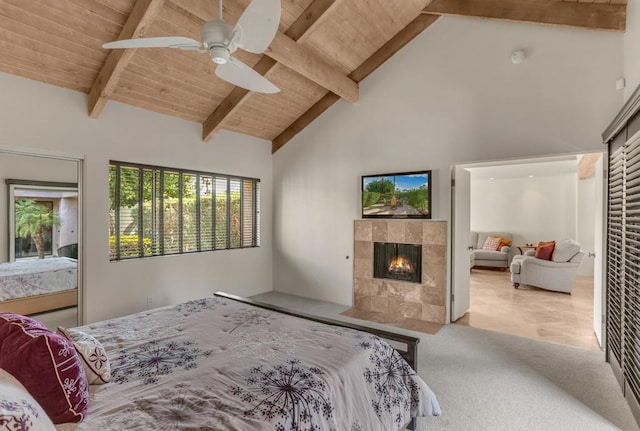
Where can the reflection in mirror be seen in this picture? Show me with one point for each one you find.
(39, 264)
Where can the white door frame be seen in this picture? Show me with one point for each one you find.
(460, 297)
(601, 261)
(79, 159)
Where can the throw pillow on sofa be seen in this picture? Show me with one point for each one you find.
(491, 243)
(504, 242)
(545, 250)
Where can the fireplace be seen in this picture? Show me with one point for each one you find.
(397, 261)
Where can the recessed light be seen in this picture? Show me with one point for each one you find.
(492, 178)
(530, 176)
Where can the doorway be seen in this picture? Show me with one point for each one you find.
(534, 200)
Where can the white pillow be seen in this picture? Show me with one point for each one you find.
(18, 408)
(565, 250)
(94, 357)
(491, 243)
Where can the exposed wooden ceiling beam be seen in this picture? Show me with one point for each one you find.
(587, 165)
(142, 14)
(594, 15)
(317, 11)
(310, 64)
(312, 17)
(301, 59)
(378, 58)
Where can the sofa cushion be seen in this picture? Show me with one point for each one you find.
(46, 364)
(565, 250)
(489, 255)
(545, 250)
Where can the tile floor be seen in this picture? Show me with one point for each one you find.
(532, 312)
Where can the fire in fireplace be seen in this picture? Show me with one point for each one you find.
(397, 261)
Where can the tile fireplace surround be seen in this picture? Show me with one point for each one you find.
(400, 299)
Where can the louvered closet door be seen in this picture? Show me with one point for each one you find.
(615, 253)
(631, 319)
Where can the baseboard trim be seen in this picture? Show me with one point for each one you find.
(631, 399)
(633, 404)
(617, 370)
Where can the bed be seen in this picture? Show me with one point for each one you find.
(227, 363)
(36, 285)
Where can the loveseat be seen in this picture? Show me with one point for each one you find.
(557, 274)
(489, 258)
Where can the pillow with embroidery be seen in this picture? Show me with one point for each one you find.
(491, 243)
(18, 409)
(94, 357)
(46, 364)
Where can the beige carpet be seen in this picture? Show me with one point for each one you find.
(65, 317)
(487, 381)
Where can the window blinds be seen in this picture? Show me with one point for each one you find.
(159, 211)
(623, 262)
(631, 305)
(614, 255)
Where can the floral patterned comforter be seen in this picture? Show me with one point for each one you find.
(217, 364)
(37, 276)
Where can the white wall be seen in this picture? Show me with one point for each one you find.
(451, 96)
(632, 48)
(537, 201)
(531, 209)
(39, 116)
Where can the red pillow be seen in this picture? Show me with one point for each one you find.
(545, 250)
(46, 364)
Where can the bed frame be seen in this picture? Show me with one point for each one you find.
(410, 354)
(41, 303)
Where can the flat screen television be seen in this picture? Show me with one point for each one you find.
(401, 195)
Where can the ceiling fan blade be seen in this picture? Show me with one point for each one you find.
(238, 73)
(154, 42)
(259, 24)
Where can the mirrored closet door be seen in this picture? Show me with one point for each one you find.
(40, 237)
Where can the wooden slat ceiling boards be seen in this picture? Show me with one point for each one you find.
(322, 50)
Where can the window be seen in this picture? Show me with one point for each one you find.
(34, 220)
(155, 211)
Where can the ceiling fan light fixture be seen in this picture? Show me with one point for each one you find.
(219, 54)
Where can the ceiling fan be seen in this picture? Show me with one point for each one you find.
(253, 32)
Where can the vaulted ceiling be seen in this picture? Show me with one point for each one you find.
(322, 50)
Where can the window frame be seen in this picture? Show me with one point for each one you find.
(158, 176)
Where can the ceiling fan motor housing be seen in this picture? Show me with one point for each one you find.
(216, 36)
(216, 33)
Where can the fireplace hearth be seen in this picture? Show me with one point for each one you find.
(396, 261)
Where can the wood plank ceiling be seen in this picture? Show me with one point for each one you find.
(323, 49)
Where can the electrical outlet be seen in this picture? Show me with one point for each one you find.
(150, 301)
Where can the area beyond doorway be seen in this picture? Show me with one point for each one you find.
(532, 312)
